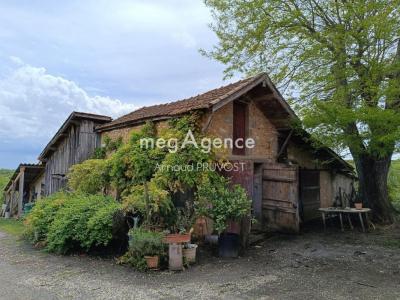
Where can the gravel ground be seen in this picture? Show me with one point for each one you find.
(313, 265)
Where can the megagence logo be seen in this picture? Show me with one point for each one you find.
(206, 144)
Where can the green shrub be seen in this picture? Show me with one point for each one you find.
(100, 226)
(66, 222)
(143, 243)
(84, 221)
(91, 177)
(109, 146)
(159, 204)
(217, 200)
(38, 221)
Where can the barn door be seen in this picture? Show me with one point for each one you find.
(280, 198)
(309, 194)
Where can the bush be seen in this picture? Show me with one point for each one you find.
(217, 200)
(42, 215)
(84, 222)
(143, 243)
(146, 243)
(91, 177)
(159, 204)
(68, 222)
(109, 147)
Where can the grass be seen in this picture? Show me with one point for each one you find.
(11, 226)
(392, 243)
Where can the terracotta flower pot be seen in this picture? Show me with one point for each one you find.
(177, 238)
(152, 261)
(190, 253)
(358, 205)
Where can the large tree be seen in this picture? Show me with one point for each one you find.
(340, 61)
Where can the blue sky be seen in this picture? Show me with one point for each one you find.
(99, 56)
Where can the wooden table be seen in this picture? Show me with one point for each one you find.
(347, 212)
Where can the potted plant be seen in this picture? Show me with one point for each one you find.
(358, 201)
(183, 226)
(152, 262)
(148, 245)
(225, 205)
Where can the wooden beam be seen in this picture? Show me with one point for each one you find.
(205, 127)
(284, 145)
(265, 97)
(218, 103)
(21, 192)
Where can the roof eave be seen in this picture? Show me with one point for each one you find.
(73, 116)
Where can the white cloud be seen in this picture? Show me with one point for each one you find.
(127, 49)
(34, 103)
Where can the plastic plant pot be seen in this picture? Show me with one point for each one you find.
(228, 245)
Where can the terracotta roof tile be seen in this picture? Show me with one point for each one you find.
(201, 101)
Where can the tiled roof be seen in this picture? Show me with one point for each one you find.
(201, 101)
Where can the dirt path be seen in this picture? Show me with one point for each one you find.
(310, 266)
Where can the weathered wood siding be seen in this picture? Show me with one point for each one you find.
(77, 146)
(326, 194)
(36, 188)
(280, 197)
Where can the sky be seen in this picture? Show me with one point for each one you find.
(106, 57)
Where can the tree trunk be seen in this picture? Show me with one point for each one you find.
(373, 175)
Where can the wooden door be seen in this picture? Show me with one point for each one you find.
(309, 194)
(280, 198)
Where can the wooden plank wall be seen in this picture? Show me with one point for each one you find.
(280, 198)
(77, 146)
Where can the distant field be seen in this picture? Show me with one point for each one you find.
(4, 177)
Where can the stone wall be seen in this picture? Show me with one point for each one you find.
(221, 126)
(125, 133)
(259, 128)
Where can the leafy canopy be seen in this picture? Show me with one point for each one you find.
(340, 60)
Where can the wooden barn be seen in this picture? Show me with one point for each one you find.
(287, 178)
(74, 142)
